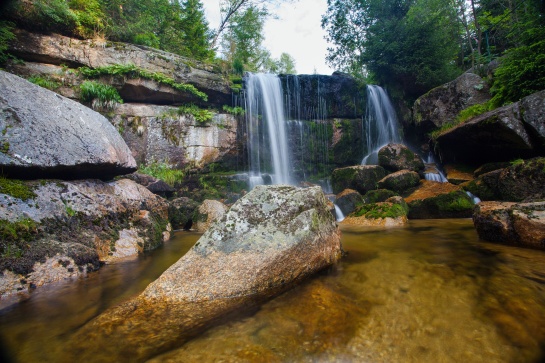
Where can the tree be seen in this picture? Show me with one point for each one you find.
(196, 34)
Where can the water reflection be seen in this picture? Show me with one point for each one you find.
(428, 292)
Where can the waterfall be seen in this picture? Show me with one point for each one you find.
(338, 213)
(380, 124)
(266, 129)
(433, 173)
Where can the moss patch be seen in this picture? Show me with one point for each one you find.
(16, 189)
(13, 236)
(381, 210)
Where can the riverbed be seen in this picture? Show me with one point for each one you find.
(426, 292)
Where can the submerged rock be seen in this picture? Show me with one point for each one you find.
(519, 224)
(397, 157)
(271, 239)
(75, 226)
(45, 135)
(360, 177)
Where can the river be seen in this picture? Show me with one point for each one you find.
(427, 292)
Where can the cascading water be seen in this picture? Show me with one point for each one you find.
(380, 125)
(433, 173)
(266, 128)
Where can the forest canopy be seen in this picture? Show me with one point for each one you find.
(415, 45)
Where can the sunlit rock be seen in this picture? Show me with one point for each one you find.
(438, 200)
(391, 213)
(207, 213)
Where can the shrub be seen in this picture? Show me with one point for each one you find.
(164, 172)
(44, 82)
(6, 35)
(201, 115)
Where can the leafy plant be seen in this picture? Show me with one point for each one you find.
(14, 234)
(132, 71)
(6, 35)
(100, 95)
(164, 172)
(201, 115)
(44, 82)
(236, 111)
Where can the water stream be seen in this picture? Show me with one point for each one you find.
(427, 292)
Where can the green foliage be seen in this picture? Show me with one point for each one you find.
(202, 116)
(44, 82)
(100, 95)
(236, 111)
(381, 210)
(131, 71)
(164, 172)
(16, 188)
(6, 35)
(13, 236)
(464, 115)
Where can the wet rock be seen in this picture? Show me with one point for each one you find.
(458, 174)
(181, 211)
(438, 200)
(271, 239)
(348, 200)
(58, 49)
(488, 167)
(399, 181)
(391, 213)
(154, 185)
(520, 224)
(207, 213)
(396, 157)
(360, 177)
(85, 222)
(442, 104)
(45, 135)
(378, 195)
(533, 115)
(522, 181)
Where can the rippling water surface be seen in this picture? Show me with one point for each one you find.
(428, 292)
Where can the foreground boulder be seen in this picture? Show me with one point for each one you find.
(51, 230)
(522, 181)
(207, 213)
(271, 239)
(44, 135)
(397, 157)
(439, 200)
(519, 224)
(360, 177)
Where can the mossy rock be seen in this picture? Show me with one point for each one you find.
(396, 157)
(348, 200)
(361, 178)
(400, 181)
(456, 204)
(378, 195)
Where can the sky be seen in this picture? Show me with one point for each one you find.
(296, 30)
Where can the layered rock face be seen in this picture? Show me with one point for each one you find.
(82, 223)
(56, 49)
(44, 135)
(270, 239)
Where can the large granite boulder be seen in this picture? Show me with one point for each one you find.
(519, 224)
(396, 157)
(57, 49)
(348, 200)
(360, 177)
(83, 223)
(439, 200)
(271, 239)
(45, 135)
(207, 213)
(523, 181)
(533, 115)
(442, 104)
(399, 181)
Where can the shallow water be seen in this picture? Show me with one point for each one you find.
(428, 292)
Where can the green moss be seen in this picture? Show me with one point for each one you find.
(463, 116)
(381, 210)
(16, 188)
(163, 171)
(132, 71)
(378, 195)
(4, 147)
(13, 236)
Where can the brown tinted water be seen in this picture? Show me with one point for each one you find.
(428, 292)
